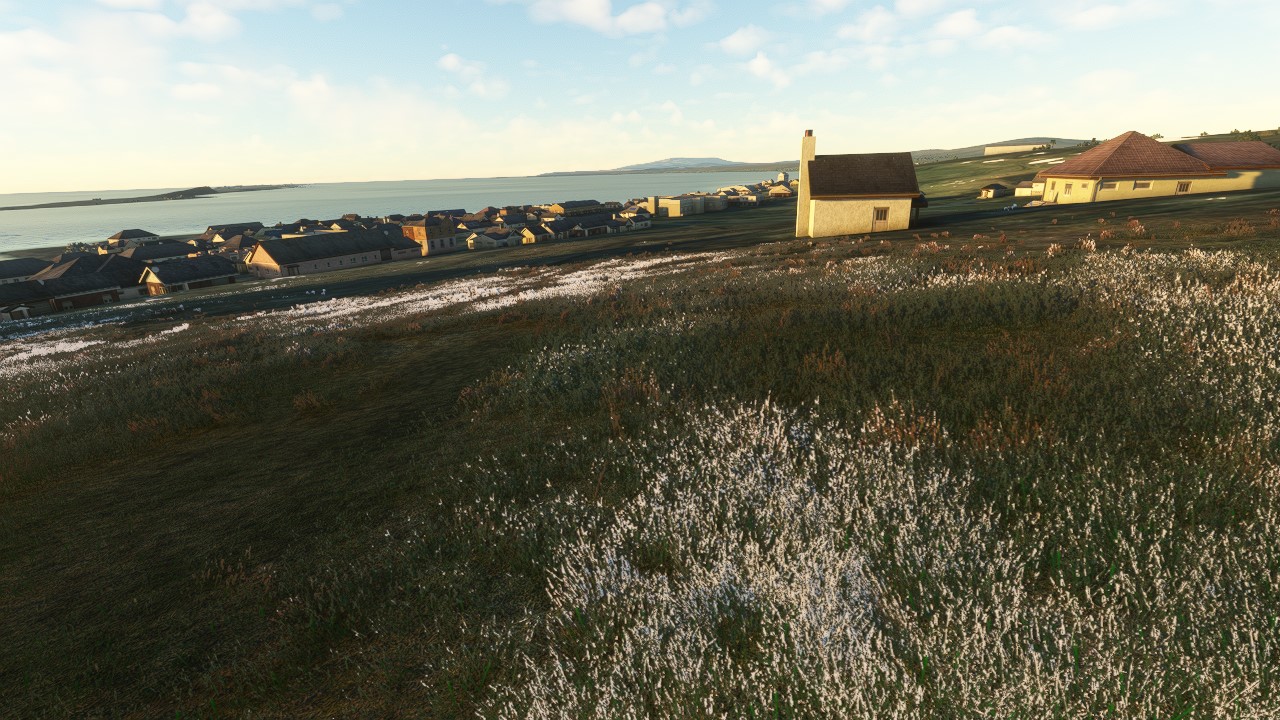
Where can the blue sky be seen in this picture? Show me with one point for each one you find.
(175, 93)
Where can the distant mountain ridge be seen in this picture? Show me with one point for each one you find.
(712, 164)
(682, 164)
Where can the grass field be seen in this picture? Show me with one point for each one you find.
(704, 471)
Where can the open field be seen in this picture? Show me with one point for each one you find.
(938, 477)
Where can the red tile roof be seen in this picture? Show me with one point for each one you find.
(1253, 154)
(1130, 155)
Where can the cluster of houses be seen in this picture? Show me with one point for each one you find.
(864, 193)
(136, 263)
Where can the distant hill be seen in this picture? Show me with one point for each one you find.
(938, 154)
(713, 164)
(680, 164)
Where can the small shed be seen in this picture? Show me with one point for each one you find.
(994, 190)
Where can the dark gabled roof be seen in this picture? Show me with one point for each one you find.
(427, 222)
(1252, 154)
(994, 186)
(124, 271)
(458, 212)
(64, 257)
(560, 226)
(1026, 184)
(869, 174)
(133, 234)
(1130, 155)
(328, 245)
(22, 267)
(590, 221)
(574, 204)
(158, 252)
(79, 285)
(233, 228)
(237, 242)
(194, 269)
(22, 292)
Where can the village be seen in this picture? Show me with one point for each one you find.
(843, 195)
(136, 263)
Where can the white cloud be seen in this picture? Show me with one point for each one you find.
(327, 12)
(479, 83)
(919, 8)
(744, 40)
(960, 24)
(1012, 37)
(874, 25)
(824, 7)
(634, 19)
(1098, 16)
(132, 4)
(762, 67)
(196, 92)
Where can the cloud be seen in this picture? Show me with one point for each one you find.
(1099, 16)
(132, 4)
(960, 24)
(1010, 37)
(744, 40)
(635, 19)
(327, 12)
(875, 25)
(762, 67)
(473, 73)
(824, 7)
(919, 8)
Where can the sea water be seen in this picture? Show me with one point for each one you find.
(21, 229)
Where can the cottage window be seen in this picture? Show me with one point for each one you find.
(1141, 184)
(1053, 185)
(1109, 185)
(1066, 189)
(1184, 187)
(882, 214)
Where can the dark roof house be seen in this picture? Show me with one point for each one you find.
(21, 268)
(863, 175)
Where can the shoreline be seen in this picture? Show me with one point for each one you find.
(192, 194)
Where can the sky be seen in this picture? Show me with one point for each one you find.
(104, 94)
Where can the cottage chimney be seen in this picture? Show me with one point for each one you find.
(808, 151)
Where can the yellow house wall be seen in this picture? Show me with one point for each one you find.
(1083, 191)
(828, 218)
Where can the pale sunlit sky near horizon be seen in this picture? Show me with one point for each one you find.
(102, 94)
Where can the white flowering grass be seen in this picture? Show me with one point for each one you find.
(777, 566)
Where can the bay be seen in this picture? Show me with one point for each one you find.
(23, 229)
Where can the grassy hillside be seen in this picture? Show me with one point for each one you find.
(1016, 475)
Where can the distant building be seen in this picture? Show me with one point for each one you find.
(287, 257)
(684, 205)
(171, 277)
(1134, 166)
(781, 192)
(1028, 188)
(136, 236)
(1008, 149)
(20, 269)
(855, 194)
(117, 271)
(435, 235)
(784, 177)
(159, 252)
(994, 190)
(574, 208)
(494, 238)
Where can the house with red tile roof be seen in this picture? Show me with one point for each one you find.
(1133, 166)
